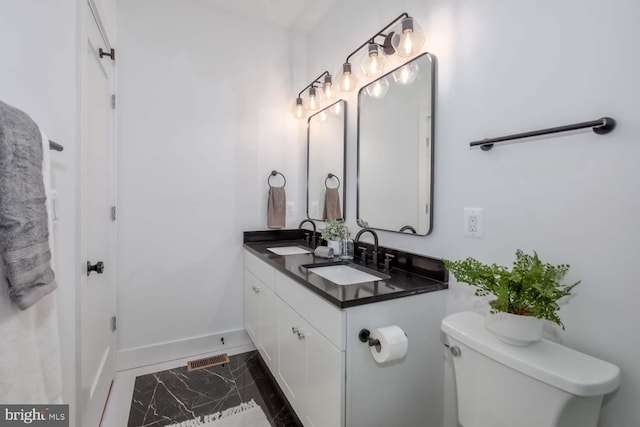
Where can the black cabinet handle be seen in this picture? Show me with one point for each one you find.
(98, 267)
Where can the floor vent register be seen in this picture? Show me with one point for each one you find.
(208, 362)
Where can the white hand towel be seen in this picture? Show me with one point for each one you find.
(30, 368)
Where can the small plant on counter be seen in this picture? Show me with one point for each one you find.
(334, 230)
(530, 288)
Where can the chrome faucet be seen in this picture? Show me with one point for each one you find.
(375, 243)
(313, 236)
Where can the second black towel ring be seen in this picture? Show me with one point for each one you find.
(276, 173)
(328, 178)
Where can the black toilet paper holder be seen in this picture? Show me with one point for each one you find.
(365, 336)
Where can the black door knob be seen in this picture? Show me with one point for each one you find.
(98, 267)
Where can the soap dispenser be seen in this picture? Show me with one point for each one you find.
(346, 246)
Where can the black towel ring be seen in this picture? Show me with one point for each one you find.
(276, 173)
(329, 177)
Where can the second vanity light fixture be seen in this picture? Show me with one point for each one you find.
(406, 43)
(299, 110)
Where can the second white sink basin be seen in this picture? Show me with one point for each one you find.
(344, 274)
(289, 250)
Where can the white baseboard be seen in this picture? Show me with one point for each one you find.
(148, 355)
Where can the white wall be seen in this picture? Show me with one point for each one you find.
(39, 76)
(505, 67)
(204, 100)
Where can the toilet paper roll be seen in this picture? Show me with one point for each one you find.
(323, 252)
(393, 344)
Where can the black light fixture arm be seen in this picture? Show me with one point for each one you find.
(315, 81)
(380, 33)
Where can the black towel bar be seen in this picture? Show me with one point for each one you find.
(600, 126)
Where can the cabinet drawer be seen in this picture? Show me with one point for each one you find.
(260, 269)
(322, 315)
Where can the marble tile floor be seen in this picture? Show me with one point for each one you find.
(175, 395)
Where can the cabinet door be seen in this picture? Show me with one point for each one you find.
(252, 306)
(268, 328)
(325, 381)
(292, 360)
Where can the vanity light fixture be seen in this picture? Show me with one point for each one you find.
(407, 43)
(313, 103)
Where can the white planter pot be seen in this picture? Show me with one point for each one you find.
(335, 244)
(514, 329)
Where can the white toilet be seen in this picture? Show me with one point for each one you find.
(542, 385)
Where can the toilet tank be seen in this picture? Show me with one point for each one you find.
(541, 385)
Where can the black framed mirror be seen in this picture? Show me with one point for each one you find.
(326, 167)
(395, 149)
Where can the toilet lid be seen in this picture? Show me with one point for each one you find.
(546, 361)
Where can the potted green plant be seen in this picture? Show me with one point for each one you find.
(333, 232)
(524, 296)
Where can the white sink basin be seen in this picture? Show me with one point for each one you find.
(289, 250)
(343, 274)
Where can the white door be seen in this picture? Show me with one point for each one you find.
(97, 294)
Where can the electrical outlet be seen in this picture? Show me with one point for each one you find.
(473, 223)
(291, 209)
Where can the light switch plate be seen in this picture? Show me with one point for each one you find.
(473, 223)
(291, 209)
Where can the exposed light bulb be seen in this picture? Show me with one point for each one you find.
(410, 41)
(347, 84)
(298, 110)
(313, 103)
(407, 43)
(373, 63)
(323, 115)
(327, 87)
(347, 81)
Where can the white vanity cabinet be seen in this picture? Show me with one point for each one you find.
(329, 376)
(307, 357)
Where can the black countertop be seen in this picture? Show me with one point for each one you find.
(409, 274)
